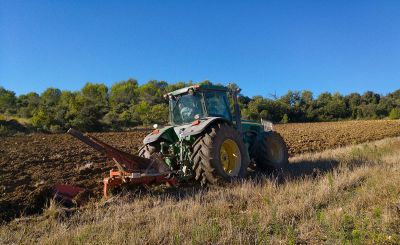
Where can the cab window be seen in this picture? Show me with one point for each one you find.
(217, 105)
(185, 108)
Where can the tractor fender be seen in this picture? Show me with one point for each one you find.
(166, 132)
(197, 128)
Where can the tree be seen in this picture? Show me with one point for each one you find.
(50, 97)
(7, 101)
(368, 111)
(141, 113)
(306, 98)
(152, 92)
(128, 104)
(384, 107)
(124, 93)
(66, 110)
(291, 98)
(261, 108)
(323, 99)
(27, 104)
(97, 93)
(370, 97)
(111, 120)
(159, 114)
(322, 102)
(91, 107)
(353, 102)
(42, 119)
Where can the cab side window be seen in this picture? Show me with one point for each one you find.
(217, 106)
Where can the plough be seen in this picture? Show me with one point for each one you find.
(131, 170)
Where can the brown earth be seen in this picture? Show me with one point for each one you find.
(313, 137)
(30, 165)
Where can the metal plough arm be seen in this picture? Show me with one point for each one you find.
(123, 160)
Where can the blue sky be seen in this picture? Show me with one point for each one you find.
(264, 46)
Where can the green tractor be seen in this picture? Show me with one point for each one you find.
(209, 143)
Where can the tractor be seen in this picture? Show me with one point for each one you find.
(205, 141)
(208, 141)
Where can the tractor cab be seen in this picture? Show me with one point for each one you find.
(198, 102)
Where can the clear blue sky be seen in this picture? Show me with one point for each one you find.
(264, 46)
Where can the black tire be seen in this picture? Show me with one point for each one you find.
(207, 164)
(151, 151)
(271, 153)
(147, 150)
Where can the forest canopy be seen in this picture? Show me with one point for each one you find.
(126, 104)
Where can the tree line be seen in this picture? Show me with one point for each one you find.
(127, 104)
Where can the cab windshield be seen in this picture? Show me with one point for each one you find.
(186, 107)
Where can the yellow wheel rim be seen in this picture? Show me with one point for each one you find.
(230, 157)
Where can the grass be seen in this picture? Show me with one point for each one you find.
(349, 195)
(21, 120)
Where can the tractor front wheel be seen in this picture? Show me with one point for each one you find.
(147, 151)
(219, 154)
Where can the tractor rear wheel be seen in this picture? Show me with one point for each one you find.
(219, 154)
(271, 153)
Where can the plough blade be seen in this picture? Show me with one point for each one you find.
(70, 195)
(118, 178)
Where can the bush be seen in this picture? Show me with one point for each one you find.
(4, 131)
(111, 121)
(285, 119)
(394, 114)
(41, 119)
(56, 129)
(8, 128)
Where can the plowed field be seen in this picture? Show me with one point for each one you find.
(308, 137)
(30, 165)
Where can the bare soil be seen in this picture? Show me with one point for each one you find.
(315, 137)
(31, 165)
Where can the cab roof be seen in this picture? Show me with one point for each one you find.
(199, 87)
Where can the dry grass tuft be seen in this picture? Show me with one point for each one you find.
(347, 195)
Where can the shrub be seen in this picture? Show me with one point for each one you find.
(285, 118)
(56, 129)
(394, 114)
(4, 131)
(11, 127)
(41, 119)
